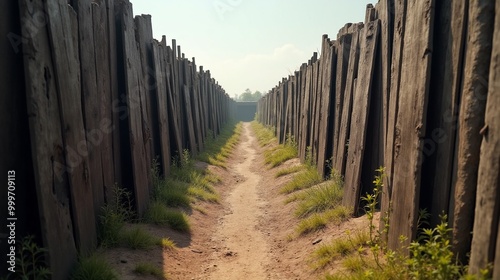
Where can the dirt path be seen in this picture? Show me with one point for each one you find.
(250, 234)
(245, 249)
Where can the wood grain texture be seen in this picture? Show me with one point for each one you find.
(133, 90)
(411, 121)
(396, 66)
(487, 209)
(471, 119)
(90, 98)
(102, 136)
(160, 60)
(49, 162)
(361, 105)
(62, 23)
(345, 121)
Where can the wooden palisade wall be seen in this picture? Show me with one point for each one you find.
(413, 88)
(101, 100)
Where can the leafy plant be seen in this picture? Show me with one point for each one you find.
(114, 215)
(30, 262)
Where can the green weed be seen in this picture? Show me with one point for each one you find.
(30, 263)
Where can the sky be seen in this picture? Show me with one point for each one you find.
(249, 43)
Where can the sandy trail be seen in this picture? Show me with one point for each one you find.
(245, 250)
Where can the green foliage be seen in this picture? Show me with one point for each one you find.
(430, 254)
(149, 269)
(138, 238)
(94, 267)
(247, 95)
(30, 263)
(114, 215)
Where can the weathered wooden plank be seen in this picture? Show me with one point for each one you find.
(47, 147)
(175, 131)
(304, 143)
(118, 110)
(396, 66)
(343, 45)
(133, 90)
(411, 121)
(189, 121)
(328, 82)
(91, 99)
(159, 53)
(483, 48)
(103, 133)
(15, 141)
(197, 109)
(361, 105)
(144, 38)
(439, 146)
(384, 11)
(316, 115)
(371, 13)
(61, 24)
(345, 121)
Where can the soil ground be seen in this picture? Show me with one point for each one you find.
(248, 235)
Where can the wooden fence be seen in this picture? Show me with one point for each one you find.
(90, 99)
(415, 89)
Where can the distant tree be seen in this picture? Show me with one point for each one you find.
(257, 95)
(249, 96)
(246, 95)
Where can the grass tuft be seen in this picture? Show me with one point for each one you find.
(303, 180)
(288, 170)
(94, 267)
(138, 238)
(160, 214)
(313, 223)
(340, 247)
(166, 243)
(149, 269)
(319, 199)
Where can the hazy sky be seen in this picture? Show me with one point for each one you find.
(249, 43)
